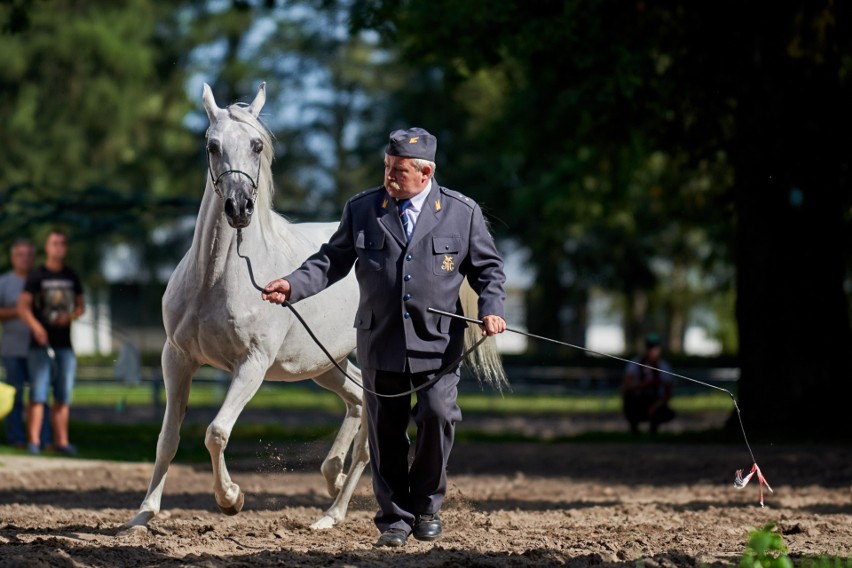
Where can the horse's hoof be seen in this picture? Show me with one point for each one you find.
(236, 507)
(132, 530)
(325, 522)
(137, 524)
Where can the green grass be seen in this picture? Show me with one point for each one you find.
(205, 395)
(290, 396)
(511, 403)
(137, 442)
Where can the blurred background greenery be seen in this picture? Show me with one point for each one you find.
(687, 161)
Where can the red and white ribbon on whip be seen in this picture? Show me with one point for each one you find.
(739, 480)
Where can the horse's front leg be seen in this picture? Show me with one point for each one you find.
(177, 376)
(247, 379)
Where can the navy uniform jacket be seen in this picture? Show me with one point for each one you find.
(399, 281)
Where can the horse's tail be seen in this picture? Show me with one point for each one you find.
(484, 361)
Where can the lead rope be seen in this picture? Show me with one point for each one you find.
(739, 480)
(287, 304)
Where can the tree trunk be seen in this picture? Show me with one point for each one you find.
(634, 325)
(545, 301)
(795, 340)
(676, 307)
(574, 328)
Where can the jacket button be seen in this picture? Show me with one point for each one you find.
(408, 258)
(406, 315)
(407, 277)
(446, 247)
(406, 297)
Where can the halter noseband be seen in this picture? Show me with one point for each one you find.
(215, 179)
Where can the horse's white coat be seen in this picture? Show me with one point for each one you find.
(214, 316)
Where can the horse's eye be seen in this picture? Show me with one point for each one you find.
(213, 147)
(257, 146)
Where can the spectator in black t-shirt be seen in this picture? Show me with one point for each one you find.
(52, 298)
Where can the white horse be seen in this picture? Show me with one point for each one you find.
(214, 316)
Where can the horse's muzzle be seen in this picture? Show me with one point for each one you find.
(238, 210)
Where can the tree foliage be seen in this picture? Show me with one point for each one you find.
(583, 128)
(91, 111)
(100, 105)
(88, 97)
(327, 90)
(636, 147)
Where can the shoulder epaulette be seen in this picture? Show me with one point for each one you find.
(458, 196)
(366, 192)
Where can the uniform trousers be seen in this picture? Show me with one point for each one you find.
(403, 492)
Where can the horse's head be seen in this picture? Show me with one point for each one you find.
(235, 150)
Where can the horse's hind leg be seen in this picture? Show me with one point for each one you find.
(333, 465)
(353, 432)
(177, 375)
(247, 379)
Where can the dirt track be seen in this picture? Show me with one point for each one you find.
(508, 505)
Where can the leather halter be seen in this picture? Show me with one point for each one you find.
(215, 179)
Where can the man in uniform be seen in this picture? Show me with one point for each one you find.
(412, 242)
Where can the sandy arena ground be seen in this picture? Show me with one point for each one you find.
(509, 504)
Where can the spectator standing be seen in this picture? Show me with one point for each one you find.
(15, 344)
(52, 298)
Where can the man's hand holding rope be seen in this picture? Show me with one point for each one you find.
(276, 292)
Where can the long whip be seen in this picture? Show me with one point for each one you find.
(739, 480)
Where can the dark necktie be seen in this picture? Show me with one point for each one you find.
(406, 218)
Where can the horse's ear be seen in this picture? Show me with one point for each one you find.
(210, 103)
(258, 101)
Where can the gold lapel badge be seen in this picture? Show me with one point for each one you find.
(448, 263)
(385, 203)
(437, 205)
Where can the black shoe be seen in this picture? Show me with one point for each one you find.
(68, 450)
(427, 527)
(392, 537)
